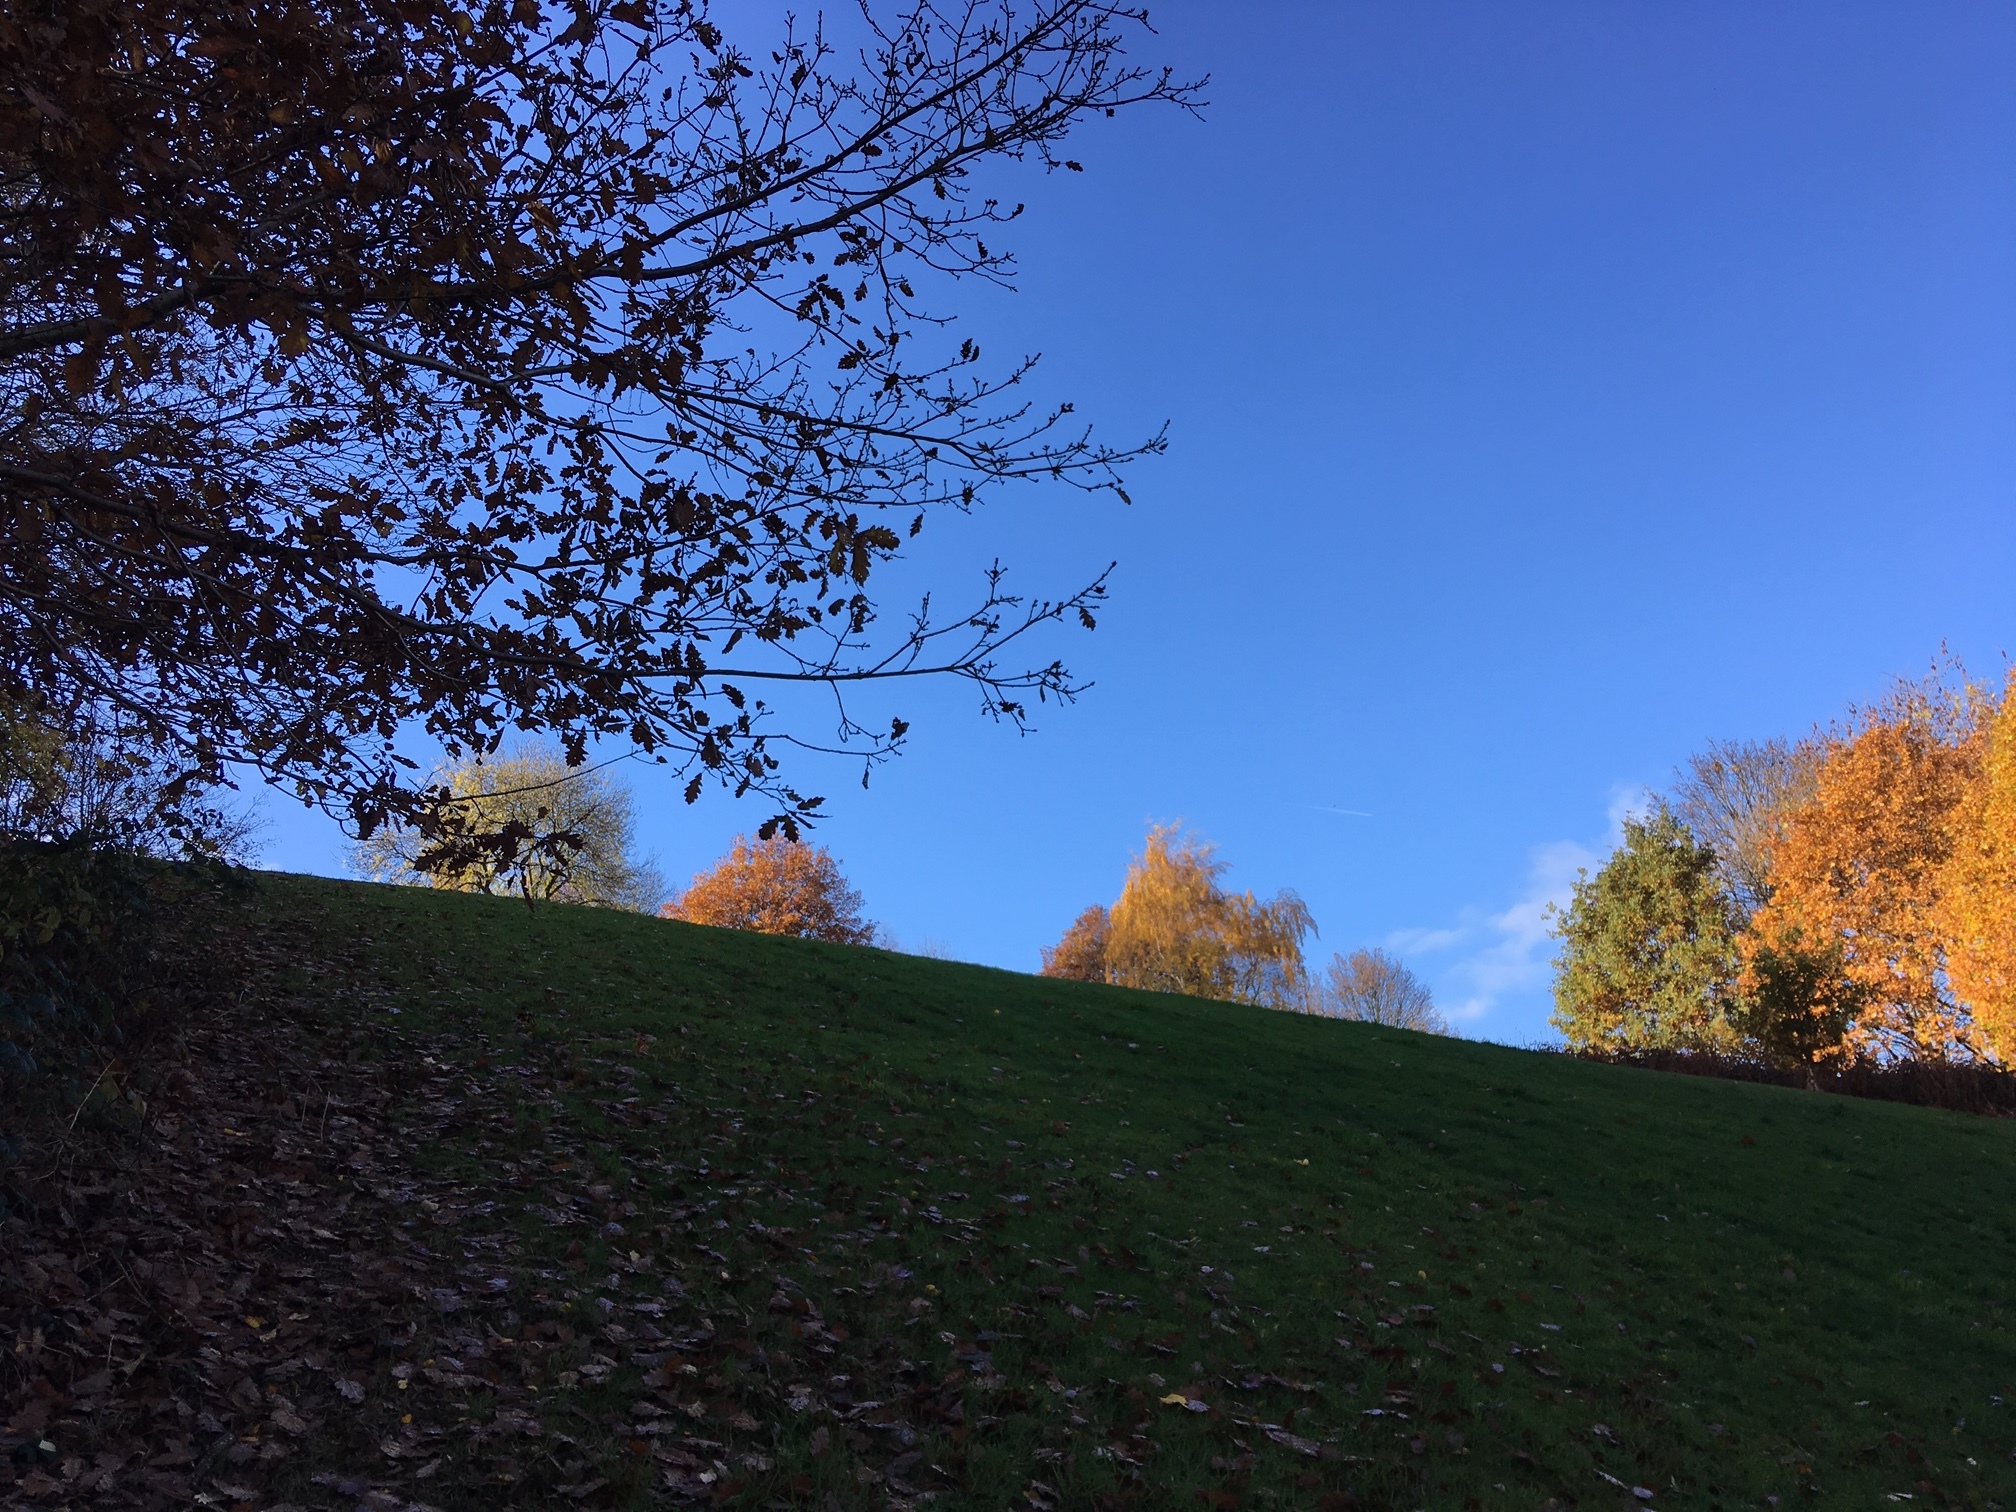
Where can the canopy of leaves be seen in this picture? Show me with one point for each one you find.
(375, 365)
(1376, 988)
(1976, 912)
(1862, 861)
(776, 886)
(574, 833)
(1648, 947)
(1174, 929)
(1081, 955)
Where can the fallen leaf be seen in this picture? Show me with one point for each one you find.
(1287, 1440)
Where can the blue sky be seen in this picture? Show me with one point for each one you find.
(1551, 387)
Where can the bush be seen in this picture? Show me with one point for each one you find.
(67, 915)
(88, 775)
(1979, 1088)
(94, 835)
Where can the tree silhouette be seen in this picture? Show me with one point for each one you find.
(372, 365)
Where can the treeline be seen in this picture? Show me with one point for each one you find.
(575, 829)
(1174, 928)
(1841, 901)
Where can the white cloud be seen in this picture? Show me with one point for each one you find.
(1507, 954)
(1633, 801)
(1423, 941)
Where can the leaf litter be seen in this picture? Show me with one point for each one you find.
(267, 1298)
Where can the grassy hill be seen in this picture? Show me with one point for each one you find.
(667, 1214)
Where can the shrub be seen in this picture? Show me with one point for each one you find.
(94, 829)
(90, 776)
(1979, 1088)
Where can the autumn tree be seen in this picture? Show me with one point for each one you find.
(387, 366)
(1976, 911)
(1648, 955)
(1175, 929)
(1374, 987)
(776, 886)
(1861, 865)
(1081, 955)
(582, 818)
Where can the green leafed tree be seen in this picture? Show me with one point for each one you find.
(1648, 957)
(572, 831)
(1798, 1000)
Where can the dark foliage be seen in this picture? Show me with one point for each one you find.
(1959, 1088)
(69, 915)
(375, 364)
(92, 973)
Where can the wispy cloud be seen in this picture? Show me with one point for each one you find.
(1633, 801)
(1494, 956)
(1425, 941)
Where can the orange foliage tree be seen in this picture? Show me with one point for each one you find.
(1081, 955)
(775, 886)
(1860, 865)
(1977, 886)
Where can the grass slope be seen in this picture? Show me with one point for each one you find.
(1089, 1247)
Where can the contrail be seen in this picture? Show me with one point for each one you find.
(1319, 808)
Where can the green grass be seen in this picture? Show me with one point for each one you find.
(1398, 1271)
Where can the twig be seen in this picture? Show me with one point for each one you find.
(72, 1129)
